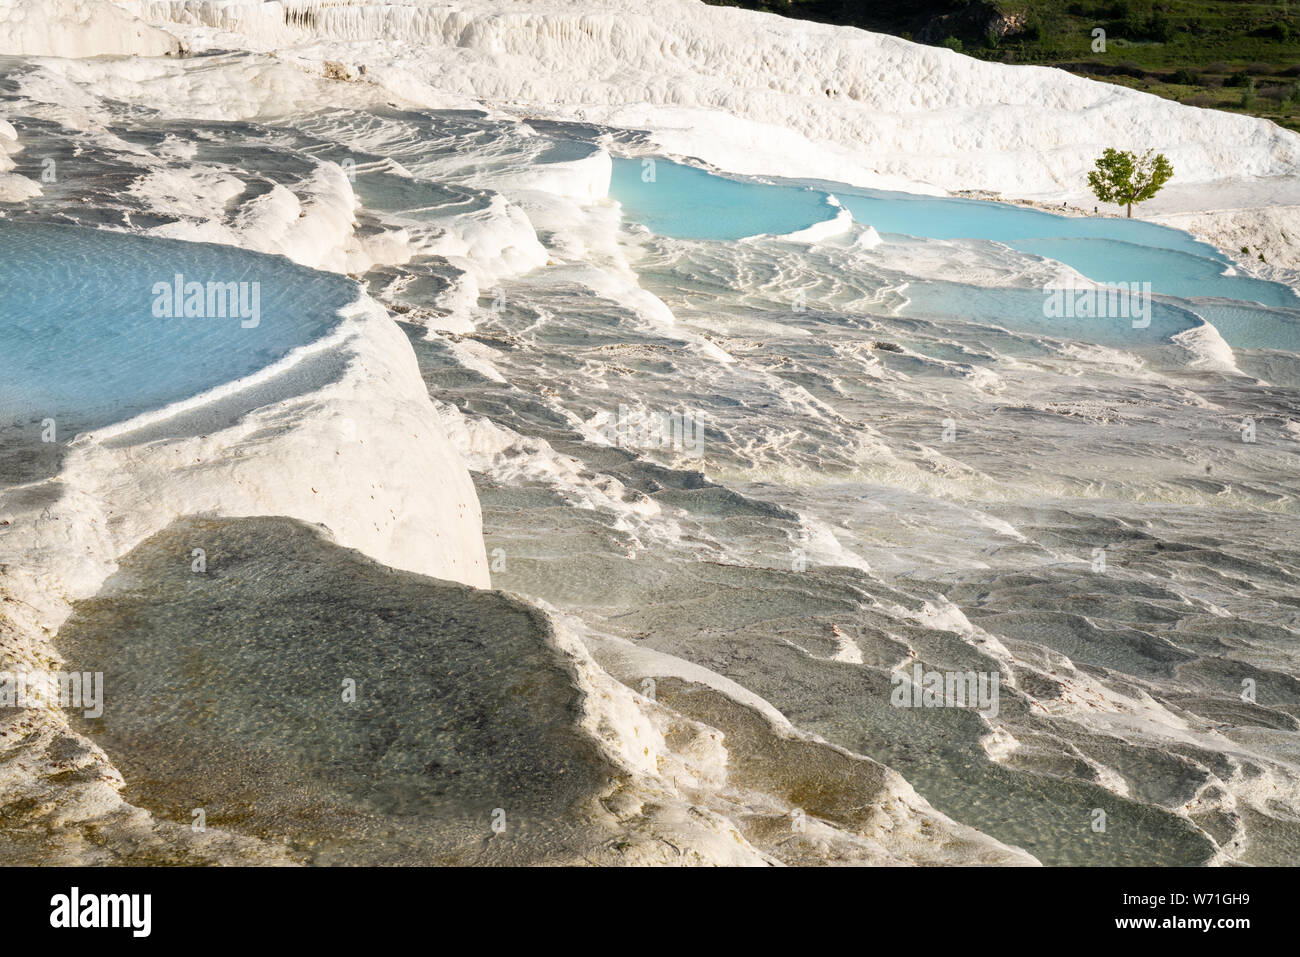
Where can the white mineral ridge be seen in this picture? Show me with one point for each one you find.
(361, 454)
(78, 28)
(755, 92)
(364, 455)
(748, 92)
(367, 453)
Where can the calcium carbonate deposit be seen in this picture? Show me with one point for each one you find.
(576, 432)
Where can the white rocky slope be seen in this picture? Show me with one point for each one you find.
(745, 91)
(331, 452)
(13, 186)
(77, 28)
(359, 452)
(755, 93)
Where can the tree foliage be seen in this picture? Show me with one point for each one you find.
(1125, 178)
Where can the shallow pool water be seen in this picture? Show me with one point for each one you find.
(1170, 272)
(81, 339)
(684, 202)
(939, 217)
(689, 203)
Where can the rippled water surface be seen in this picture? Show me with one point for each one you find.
(83, 341)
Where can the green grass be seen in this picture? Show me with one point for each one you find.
(1228, 55)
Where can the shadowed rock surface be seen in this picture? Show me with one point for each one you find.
(225, 688)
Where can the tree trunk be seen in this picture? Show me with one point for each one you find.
(1130, 210)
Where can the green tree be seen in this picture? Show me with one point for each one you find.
(1126, 178)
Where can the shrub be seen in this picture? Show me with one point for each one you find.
(1278, 30)
(1032, 30)
(1159, 28)
(954, 44)
(1185, 77)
